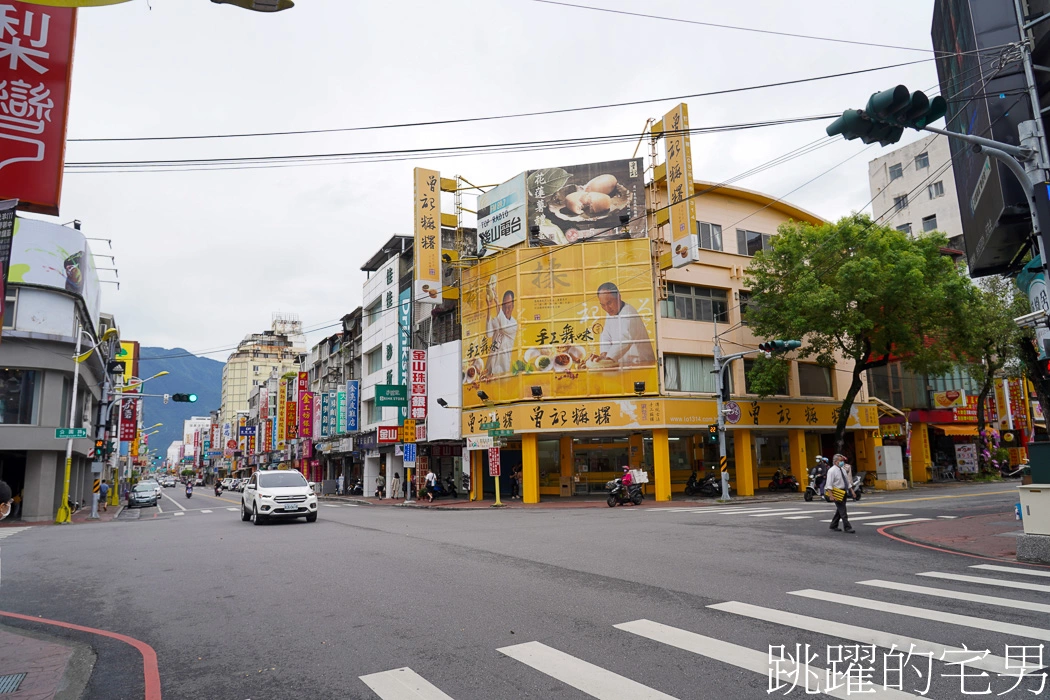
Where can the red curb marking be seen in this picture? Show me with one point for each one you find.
(882, 531)
(150, 670)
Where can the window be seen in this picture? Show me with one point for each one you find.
(255, 368)
(389, 300)
(750, 242)
(375, 360)
(372, 313)
(691, 373)
(900, 203)
(710, 235)
(936, 190)
(695, 303)
(745, 301)
(17, 396)
(929, 223)
(373, 413)
(896, 171)
(814, 380)
(748, 364)
(10, 301)
(390, 275)
(922, 161)
(905, 228)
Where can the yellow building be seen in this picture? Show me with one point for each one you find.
(279, 350)
(575, 418)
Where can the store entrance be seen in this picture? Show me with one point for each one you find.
(596, 461)
(13, 471)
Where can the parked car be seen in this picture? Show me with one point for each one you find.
(278, 495)
(142, 494)
(198, 482)
(227, 483)
(155, 485)
(238, 484)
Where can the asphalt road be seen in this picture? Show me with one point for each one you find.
(485, 605)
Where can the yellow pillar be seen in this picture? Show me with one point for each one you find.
(661, 464)
(920, 453)
(476, 489)
(636, 450)
(866, 441)
(797, 446)
(530, 468)
(745, 467)
(565, 458)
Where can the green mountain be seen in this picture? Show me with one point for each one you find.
(187, 374)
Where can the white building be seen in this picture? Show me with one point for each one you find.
(913, 189)
(174, 452)
(189, 428)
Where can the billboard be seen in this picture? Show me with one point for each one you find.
(569, 321)
(679, 179)
(427, 228)
(36, 44)
(595, 201)
(128, 356)
(501, 216)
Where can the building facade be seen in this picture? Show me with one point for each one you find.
(281, 348)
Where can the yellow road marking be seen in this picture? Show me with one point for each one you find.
(937, 498)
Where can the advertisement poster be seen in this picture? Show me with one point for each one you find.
(501, 216)
(966, 459)
(427, 229)
(571, 321)
(36, 44)
(595, 201)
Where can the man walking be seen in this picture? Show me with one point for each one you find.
(103, 496)
(838, 486)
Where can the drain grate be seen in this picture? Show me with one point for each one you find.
(10, 682)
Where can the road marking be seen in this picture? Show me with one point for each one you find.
(862, 635)
(179, 514)
(1011, 570)
(173, 501)
(329, 505)
(233, 509)
(897, 522)
(739, 511)
(874, 517)
(158, 507)
(947, 517)
(582, 675)
(8, 531)
(930, 615)
(205, 511)
(743, 657)
(351, 505)
(958, 595)
(778, 512)
(960, 495)
(1023, 585)
(797, 517)
(402, 684)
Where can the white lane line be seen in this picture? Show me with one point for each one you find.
(351, 505)
(582, 675)
(959, 595)
(947, 517)
(929, 615)
(180, 514)
(798, 517)
(205, 511)
(873, 517)
(1023, 585)
(158, 506)
(862, 635)
(778, 512)
(897, 522)
(738, 511)
(745, 658)
(1011, 570)
(329, 505)
(402, 684)
(233, 509)
(8, 531)
(177, 504)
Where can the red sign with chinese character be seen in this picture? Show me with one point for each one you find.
(417, 385)
(36, 60)
(129, 413)
(493, 461)
(388, 433)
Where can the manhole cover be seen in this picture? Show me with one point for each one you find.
(10, 682)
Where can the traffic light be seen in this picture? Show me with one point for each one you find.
(774, 346)
(100, 450)
(184, 398)
(712, 434)
(887, 114)
(258, 5)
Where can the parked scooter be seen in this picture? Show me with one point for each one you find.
(357, 489)
(618, 495)
(817, 475)
(858, 486)
(450, 487)
(709, 486)
(692, 487)
(783, 481)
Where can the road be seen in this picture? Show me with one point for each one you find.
(632, 603)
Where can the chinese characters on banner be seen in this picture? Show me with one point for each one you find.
(417, 395)
(404, 344)
(493, 461)
(282, 413)
(387, 433)
(685, 246)
(36, 55)
(340, 413)
(427, 285)
(306, 414)
(353, 390)
(129, 419)
(1017, 405)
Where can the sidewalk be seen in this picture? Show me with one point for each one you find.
(51, 670)
(993, 536)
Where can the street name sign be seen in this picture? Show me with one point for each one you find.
(66, 433)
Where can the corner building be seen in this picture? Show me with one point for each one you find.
(577, 419)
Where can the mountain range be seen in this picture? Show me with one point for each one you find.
(187, 374)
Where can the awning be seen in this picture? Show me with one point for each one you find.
(956, 429)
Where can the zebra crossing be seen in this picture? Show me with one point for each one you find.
(236, 509)
(808, 511)
(810, 676)
(6, 532)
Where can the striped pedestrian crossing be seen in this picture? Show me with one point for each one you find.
(6, 532)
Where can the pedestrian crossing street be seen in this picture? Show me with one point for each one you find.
(6, 532)
(805, 511)
(889, 603)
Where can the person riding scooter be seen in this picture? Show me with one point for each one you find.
(189, 489)
(218, 488)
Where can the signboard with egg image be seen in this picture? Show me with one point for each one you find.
(685, 250)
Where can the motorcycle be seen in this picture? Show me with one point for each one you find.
(858, 487)
(357, 489)
(783, 481)
(710, 486)
(218, 490)
(74, 506)
(450, 487)
(816, 483)
(618, 495)
(189, 490)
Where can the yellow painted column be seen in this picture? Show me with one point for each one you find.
(745, 467)
(530, 468)
(920, 453)
(661, 464)
(797, 447)
(636, 451)
(476, 488)
(866, 441)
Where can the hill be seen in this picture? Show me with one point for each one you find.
(187, 374)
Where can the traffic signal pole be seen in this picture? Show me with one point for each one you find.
(721, 363)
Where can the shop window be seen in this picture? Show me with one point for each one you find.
(18, 388)
(748, 364)
(695, 303)
(814, 380)
(750, 242)
(690, 373)
(710, 235)
(375, 360)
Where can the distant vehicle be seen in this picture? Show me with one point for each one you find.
(238, 484)
(278, 495)
(155, 485)
(198, 482)
(227, 483)
(143, 494)
(167, 482)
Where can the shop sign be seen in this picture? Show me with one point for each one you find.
(353, 398)
(679, 179)
(340, 413)
(1018, 402)
(479, 443)
(494, 461)
(408, 431)
(949, 399)
(129, 412)
(417, 384)
(427, 229)
(391, 395)
(306, 414)
(732, 412)
(966, 458)
(409, 453)
(421, 431)
(404, 344)
(282, 409)
(326, 413)
(388, 433)
(501, 216)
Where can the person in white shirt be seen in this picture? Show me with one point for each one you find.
(502, 329)
(837, 478)
(431, 484)
(624, 338)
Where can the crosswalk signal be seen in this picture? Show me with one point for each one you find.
(184, 398)
(712, 434)
(100, 450)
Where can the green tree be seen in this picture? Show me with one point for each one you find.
(858, 292)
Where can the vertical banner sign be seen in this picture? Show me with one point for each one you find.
(228, 443)
(7, 231)
(493, 461)
(304, 388)
(340, 414)
(317, 416)
(326, 413)
(264, 403)
(36, 61)
(333, 413)
(271, 433)
(282, 411)
(353, 405)
(242, 444)
(404, 338)
(427, 285)
(306, 415)
(129, 419)
(417, 395)
(684, 243)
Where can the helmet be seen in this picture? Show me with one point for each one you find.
(626, 468)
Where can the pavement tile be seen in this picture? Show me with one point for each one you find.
(44, 662)
(982, 535)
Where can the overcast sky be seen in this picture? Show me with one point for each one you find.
(205, 257)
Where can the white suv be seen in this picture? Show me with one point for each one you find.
(278, 494)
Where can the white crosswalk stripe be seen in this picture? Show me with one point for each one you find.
(1022, 585)
(871, 517)
(797, 517)
(958, 595)
(777, 513)
(329, 505)
(233, 509)
(351, 505)
(205, 511)
(402, 684)
(896, 522)
(6, 532)
(1011, 570)
(178, 514)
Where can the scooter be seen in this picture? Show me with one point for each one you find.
(618, 495)
(450, 487)
(816, 483)
(189, 490)
(783, 481)
(858, 487)
(218, 489)
(692, 487)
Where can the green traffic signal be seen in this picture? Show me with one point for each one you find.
(774, 346)
(712, 434)
(887, 114)
(184, 398)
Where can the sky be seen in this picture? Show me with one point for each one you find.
(205, 258)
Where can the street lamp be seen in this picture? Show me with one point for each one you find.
(155, 425)
(119, 392)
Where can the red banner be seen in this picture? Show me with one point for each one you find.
(417, 382)
(387, 433)
(129, 417)
(36, 60)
